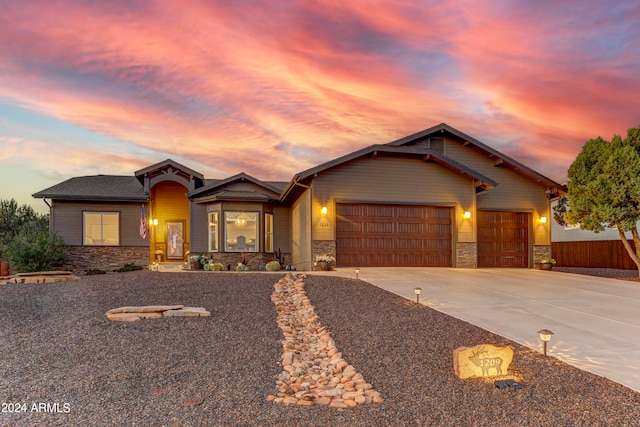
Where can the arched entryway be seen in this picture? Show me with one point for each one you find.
(169, 212)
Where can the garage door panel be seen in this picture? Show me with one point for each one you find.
(377, 227)
(388, 235)
(377, 244)
(503, 239)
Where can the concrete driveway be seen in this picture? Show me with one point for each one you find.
(596, 321)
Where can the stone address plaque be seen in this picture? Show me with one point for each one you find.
(480, 361)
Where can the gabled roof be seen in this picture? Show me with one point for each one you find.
(425, 154)
(169, 163)
(169, 170)
(500, 159)
(96, 188)
(214, 190)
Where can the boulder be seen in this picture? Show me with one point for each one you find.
(484, 360)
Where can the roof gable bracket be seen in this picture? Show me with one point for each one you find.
(498, 162)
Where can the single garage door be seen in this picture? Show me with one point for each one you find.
(372, 235)
(503, 239)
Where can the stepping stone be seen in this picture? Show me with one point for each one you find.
(145, 309)
(123, 317)
(187, 312)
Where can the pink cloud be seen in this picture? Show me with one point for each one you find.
(289, 85)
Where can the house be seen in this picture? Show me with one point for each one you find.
(437, 198)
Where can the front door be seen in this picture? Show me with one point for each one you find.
(175, 240)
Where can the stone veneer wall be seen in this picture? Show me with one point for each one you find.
(108, 258)
(540, 252)
(323, 247)
(467, 255)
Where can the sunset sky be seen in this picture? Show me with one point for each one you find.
(274, 87)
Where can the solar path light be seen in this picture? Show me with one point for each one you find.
(545, 336)
(417, 291)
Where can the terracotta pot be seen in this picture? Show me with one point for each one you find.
(4, 268)
(545, 266)
(324, 266)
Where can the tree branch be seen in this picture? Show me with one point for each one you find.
(636, 240)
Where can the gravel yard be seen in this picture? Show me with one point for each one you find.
(58, 348)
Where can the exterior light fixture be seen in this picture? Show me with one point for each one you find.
(417, 291)
(357, 271)
(323, 211)
(543, 220)
(467, 214)
(155, 222)
(545, 336)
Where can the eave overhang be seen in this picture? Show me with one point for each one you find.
(553, 188)
(303, 179)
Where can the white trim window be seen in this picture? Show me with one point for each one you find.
(213, 231)
(241, 231)
(101, 228)
(268, 232)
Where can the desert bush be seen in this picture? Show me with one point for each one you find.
(273, 266)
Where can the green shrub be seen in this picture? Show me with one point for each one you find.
(34, 249)
(242, 267)
(129, 267)
(217, 266)
(273, 266)
(95, 271)
(206, 267)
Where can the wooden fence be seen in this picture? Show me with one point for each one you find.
(593, 254)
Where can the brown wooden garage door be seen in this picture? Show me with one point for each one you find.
(503, 239)
(369, 235)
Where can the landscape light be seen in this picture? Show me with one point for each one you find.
(545, 336)
(417, 291)
(357, 271)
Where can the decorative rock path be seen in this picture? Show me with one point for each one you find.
(132, 314)
(314, 371)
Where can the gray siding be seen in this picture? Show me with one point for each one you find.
(301, 232)
(281, 229)
(199, 227)
(67, 217)
(392, 180)
(513, 193)
(247, 186)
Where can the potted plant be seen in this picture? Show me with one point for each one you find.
(547, 263)
(198, 261)
(325, 261)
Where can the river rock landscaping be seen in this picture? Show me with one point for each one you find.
(59, 348)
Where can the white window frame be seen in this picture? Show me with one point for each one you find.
(102, 241)
(213, 227)
(228, 244)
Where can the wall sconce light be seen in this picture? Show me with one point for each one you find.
(323, 211)
(467, 214)
(155, 222)
(357, 272)
(417, 291)
(545, 336)
(543, 220)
